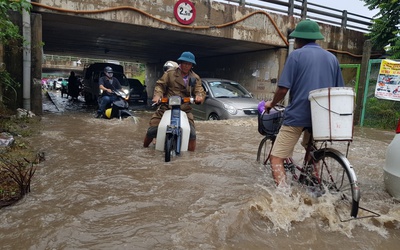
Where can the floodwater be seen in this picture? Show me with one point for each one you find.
(100, 189)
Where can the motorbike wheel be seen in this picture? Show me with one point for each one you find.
(169, 140)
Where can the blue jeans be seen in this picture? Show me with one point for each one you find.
(105, 101)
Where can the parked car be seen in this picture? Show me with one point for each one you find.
(391, 168)
(225, 99)
(138, 92)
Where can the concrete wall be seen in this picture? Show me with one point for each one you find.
(257, 71)
(262, 27)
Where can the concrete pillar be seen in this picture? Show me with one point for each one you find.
(36, 100)
(13, 59)
(37, 60)
(2, 67)
(363, 78)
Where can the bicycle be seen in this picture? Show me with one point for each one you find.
(323, 168)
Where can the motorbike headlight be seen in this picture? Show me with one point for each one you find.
(175, 100)
(232, 110)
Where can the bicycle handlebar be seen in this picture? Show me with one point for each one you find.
(279, 108)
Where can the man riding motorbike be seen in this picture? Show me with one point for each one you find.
(107, 84)
(175, 82)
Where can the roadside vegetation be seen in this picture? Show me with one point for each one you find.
(385, 30)
(382, 114)
(17, 161)
(384, 34)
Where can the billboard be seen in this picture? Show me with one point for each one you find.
(388, 83)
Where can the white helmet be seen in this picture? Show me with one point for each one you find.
(169, 65)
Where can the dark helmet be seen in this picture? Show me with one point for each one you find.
(187, 57)
(169, 64)
(108, 69)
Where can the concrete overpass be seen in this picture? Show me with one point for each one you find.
(231, 41)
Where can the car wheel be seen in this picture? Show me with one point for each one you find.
(213, 116)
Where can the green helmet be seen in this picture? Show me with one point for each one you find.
(307, 29)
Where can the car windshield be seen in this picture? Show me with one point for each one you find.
(225, 89)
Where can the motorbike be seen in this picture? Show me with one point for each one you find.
(120, 107)
(174, 128)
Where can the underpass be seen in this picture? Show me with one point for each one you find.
(238, 42)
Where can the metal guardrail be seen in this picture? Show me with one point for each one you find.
(48, 59)
(304, 9)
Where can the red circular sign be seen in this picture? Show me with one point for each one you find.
(185, 12)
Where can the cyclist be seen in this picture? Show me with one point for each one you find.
(307, 68)
(175, 81)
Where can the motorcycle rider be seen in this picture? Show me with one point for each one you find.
(175, 81)
(107, 84)
(170, 65)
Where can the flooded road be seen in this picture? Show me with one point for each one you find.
(100, 189)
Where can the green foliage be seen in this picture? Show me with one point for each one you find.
(8, 30)
(382, 114)
(10, 87)
(394, 50)
(385, 27)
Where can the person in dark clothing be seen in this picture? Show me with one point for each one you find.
(107, 84)
(73, 87)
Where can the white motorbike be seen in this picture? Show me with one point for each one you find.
(174, 128)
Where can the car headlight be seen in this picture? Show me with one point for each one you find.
(232, 110)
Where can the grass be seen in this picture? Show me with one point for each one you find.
(17, 161)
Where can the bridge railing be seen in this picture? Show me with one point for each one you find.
(304, 9)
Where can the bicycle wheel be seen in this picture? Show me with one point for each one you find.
(333, 171)
(264, 150)
(169, 139)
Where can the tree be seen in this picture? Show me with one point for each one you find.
(8, 30)
(385, 30)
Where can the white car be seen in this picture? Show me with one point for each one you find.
(391, 169)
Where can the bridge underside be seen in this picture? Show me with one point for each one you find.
(85, 37)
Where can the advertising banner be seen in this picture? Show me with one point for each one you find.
(388, 83)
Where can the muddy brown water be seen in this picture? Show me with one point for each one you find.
(100, 189)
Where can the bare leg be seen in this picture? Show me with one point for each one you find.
(278, 171)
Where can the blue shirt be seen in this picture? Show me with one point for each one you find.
(307, 69)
